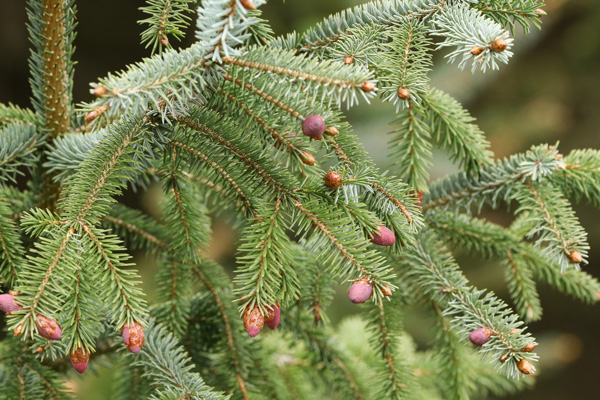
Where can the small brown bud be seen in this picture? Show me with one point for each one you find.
(504, 357)
(100, 91)
(540, 12)
(248, 4)
(307, 158)
(39, 349)
(18, 330)
(498, 45)
(348, 60)
(403, 93)
(575, 257)
(163, 39)
(332, 131)
(514, 331)
(332, 180)
(95, 113)
(529, 348)
(476, 50)
(597, 295)
(386, 291)
(524, 366)
(367, 86)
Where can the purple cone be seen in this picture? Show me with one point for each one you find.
(385, 237)
(360, 291)
(7, 303)
(480, 336)
(313, 126)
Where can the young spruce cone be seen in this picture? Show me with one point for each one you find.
(273, 317)
(480, 336)
(133, 336)
(384, 237)
(80, 359)
(360, 291)
(253, 321)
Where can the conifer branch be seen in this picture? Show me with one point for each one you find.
(11, 248)
(18, 145)
(388, 13)
(560, 229)
(51, 24)
(495, 182)
(126, 299)
(169, 368)
(12, 114)
(222, 172)
(33, 288)
(264, 95)
(441, 279)
(166, 17)
(412, 147)
(231, 341)
(137, 230)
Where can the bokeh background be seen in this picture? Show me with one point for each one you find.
(549, 92)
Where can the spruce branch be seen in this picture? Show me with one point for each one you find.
(395, 379)
(338, 83)
(511, 12)
(412, 146)
(466, 28)
(11, 247)
(264, 274)
(119, 286)
(138, 230)
(174, 290)
(454, 129)
(169, 368)
(578, 175)
(405, 62)
(51, 31)
(11, 114)
(496, 182)
(223, 300)
(554, 224)
(166, 18)
(223, 24)
(113, 161)
(19, 143)
(435, 272)
(386, 13)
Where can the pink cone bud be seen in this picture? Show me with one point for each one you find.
(253, 321)
(384, 237)
(273, 317)
(80, 359)
(480, 336)
(313, 126)
(133, 336)
(48, 328)
(7, 303)
(360, 291)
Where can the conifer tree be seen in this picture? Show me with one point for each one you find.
(253, 125)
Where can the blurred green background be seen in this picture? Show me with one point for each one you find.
(549, 92)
